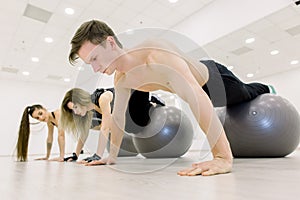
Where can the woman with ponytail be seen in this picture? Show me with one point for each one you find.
(41, 114)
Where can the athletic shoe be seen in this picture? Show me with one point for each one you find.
(272, 89)
(157, 100)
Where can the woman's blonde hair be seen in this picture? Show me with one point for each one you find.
(70, 122)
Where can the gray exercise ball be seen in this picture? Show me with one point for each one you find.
(168, 135)
(127, 148)
(267, 126)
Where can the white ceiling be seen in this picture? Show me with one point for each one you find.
(278, 31)
(22, 37)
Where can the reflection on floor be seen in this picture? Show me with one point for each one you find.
(139, 178)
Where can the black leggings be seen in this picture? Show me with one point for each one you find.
(225, 89)
(137, 114)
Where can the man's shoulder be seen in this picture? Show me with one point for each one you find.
(155, 43)
(118, 75)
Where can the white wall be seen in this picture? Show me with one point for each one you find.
(15, 96)
(286, 85)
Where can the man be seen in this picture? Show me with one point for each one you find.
(153, 65)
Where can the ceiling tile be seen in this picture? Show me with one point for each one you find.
(273, 34)
(282, 15)
(293, 31)
(37, 13)
(47, 5)
(259, 26)
(241, 51)
(294, 21)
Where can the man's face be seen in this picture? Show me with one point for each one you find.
(98, 56)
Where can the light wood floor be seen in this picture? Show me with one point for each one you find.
(150, 179)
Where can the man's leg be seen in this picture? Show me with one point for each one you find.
(137, 114)
(235, 90)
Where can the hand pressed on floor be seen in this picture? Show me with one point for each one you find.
(208, 168)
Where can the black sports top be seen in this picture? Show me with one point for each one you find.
(54, 118)
(97, 117)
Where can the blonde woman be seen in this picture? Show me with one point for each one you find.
(41, 114)
(81, 111)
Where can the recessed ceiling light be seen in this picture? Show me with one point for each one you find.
(294, 62)
(173, 1)
(25, 73)
(274, 52)
(230, 67)
(67, 80)
(250, 75)
(35, 59)
(48, 39)
(69, 11)
(249, 40)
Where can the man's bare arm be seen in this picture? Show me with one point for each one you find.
(122, 96)
(184, 84)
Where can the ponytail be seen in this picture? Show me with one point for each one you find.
(24, 130)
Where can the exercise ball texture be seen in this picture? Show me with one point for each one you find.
(267, 126)
(168, 135)
(127, 148)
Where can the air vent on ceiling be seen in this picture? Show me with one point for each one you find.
(37, 13)
(294, 30)
(54, 77)
(10, 70)
(241, 51)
